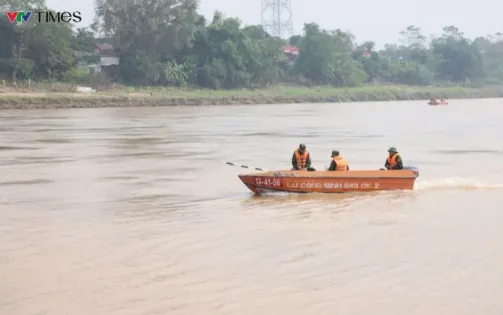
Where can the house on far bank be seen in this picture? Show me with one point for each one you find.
(109, 61)
(291, 52)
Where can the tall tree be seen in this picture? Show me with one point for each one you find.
(17, 37)
(325, 58)
(458, 59)
(147, 33)
(49, 47)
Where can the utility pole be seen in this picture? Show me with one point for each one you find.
(277, 17)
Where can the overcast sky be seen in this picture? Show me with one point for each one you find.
(380, 21)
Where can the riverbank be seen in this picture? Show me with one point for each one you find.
(129, 97)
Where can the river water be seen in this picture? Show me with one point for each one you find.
(128, 211)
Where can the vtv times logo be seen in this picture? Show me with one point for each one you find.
(44, 16)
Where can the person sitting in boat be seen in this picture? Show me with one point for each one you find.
(301, 159)
(394, 161)
(338, 163)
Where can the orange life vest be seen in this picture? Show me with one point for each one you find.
(392, 161)
(342, 164)
(301, 159)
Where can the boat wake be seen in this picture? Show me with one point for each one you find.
(456, 183)
(348, 200)
(339, 200)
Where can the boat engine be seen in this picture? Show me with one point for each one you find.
(414, 170)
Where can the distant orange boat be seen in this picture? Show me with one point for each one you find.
(329, 181)
(438, 102)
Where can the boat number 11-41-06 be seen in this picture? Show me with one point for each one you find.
(267, 181)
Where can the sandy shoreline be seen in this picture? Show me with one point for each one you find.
(160, 97)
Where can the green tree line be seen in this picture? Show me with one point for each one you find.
(167, 43)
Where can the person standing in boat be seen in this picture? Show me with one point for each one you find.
(338, 163)
(301, 159)
(394, 161)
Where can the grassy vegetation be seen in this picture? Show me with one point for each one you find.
(127, 97)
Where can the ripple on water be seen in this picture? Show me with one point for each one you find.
(12, 148)
(25, 182)
(471, 151)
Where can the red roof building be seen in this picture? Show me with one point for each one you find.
(291, 51)
(105, 50)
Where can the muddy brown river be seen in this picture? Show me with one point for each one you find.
(129, 211)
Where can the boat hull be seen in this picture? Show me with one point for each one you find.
(329, 182)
